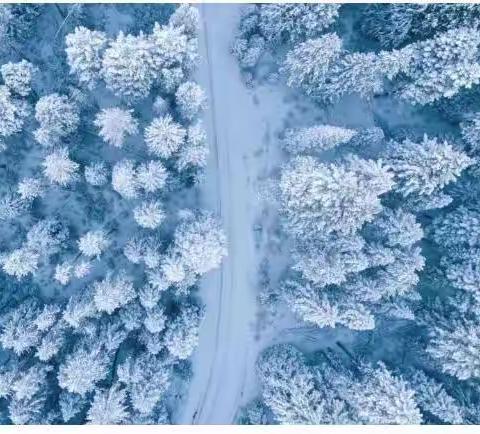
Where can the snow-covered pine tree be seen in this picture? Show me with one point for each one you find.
(181, 336)
(322, 198)
(93, 243)
(164, 137)
(113, 292)
(290, 391)
(58, 168)
(151, 176)
(124, 179)
(84, 48)
(58, 117)
(199, 245)
(108, 407)
(280, 23)
(83, 368)
(14, 112)
(421, 169)
(308, 64)
(115, 125)
(190, 100)
(149, 215)
(146, 378)
(127, 66)
(18, 76)
(196, 150)
(316, 138)
(442, 66)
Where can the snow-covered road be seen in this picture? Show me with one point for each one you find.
(224, 361)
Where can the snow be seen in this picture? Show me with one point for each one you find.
(223, 364)
(242, 125)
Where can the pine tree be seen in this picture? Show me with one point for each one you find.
(317, 138)
(395, 24)
(457, 228)
(442, 66)
(18, 76)
(149, 215)
(155, 320)
(316, 306)
(47, 317)
(329, 260)
(93, 243)
(115, 125)
(395, 228)
(59, 168)
(30, 188)
(13, 112)
(455, 346)
(151, 176)
(47, 237)
(18, 331)
(248, 51)
(319, 198)
(471, 131)
(308, 64)
(190, 100)
(82, 269)
(127, 66)
(200, 244)
(164, 137)
(124, 179)
(108, 407)
(181, 336)
(70, 405)
(51, 343)
(434, 399)
(21, 262)
(147, 379)
(295, 22)
(58, 117)
(187, 18)
(83, 368)
(30, 382)
(290, 391)
(113, 292)
(96, 174)
(422, 169)
(381, 398)
(80, 307)
(63, 273)
(364, 74)
(196, 150)
(172, 50)
(84, 50)
(28, 410)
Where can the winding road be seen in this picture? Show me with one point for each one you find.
(223, 364)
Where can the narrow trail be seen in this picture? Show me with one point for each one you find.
(223, 363)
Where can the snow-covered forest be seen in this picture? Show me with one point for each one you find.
(240, 214)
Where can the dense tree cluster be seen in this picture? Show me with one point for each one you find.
(328, 388)
(430, 52)
(268, 26)
(382, 223)
(99, 261)
(330, 393)
(355, 255)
